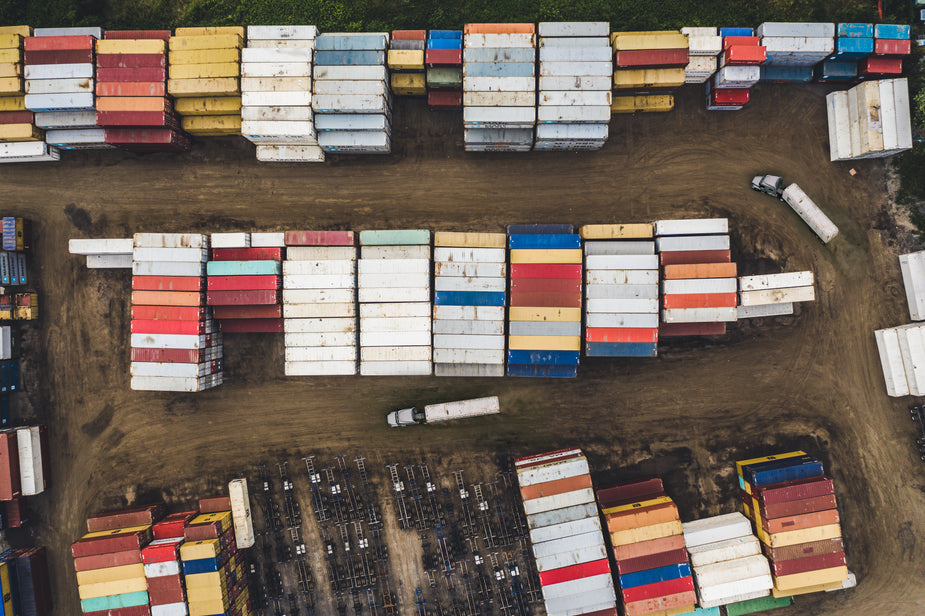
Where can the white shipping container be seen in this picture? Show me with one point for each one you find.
(268, 240)
(912, 349)
(588, 114)
(499, 84)
(699, 315)
(318, 296)
(560, 516)
(321, 339)
(469, 370)
(573, 28)
(575, 82)
(854, 123)
(395, 324)
(722, 551)
(568, 544)
(283, 33)
(458, 283)
(391, 281)
(888, 115)
(298, 353)
(589, 69)
(396, 368)
(738, 76)
(398, 309)
(469, 255)
(794, 196)
(469, 313)
(350, 103)
(567, 559)
(643, 321)
(171, 240)
(276, 84)
(595, 53)
(839, 130)
(912, 267)
(173, 255)
(621, 262)
(278, 114)
(162, 569)
(351, 73)
(716, 574)
(6, 342)
(903, 113)
(578, 133)
(119, 246)
(694, 242)
(58, 71)
(84, 136)
(395, 252)
(596, 277)
(499, 40)
(308, 153)
(578, 588)
(781, 45)
(733, 599)
(352, 122)
(230, 240)
(420, 338)
(462, 409)
(323, 267)
(515, 116)
(156, 383)
(333, 324)
(581, 99)
(116, 261)
(169, 369)
(777, 281)
(796, 29)
(631, 247)
(58, 86)
(395, 268)
(150, 268)
(319, 368)
(699, 285)
(169, 609)
(465, 270)
(534, 475)
(499, 99)
(396, 353)
(716, 528)
(586, 603)
(313, 311)
(171, 341)
(318, 281)
(564, 530)
(320, 253)
(622, 306)
(621, 291)
(574, 41)
(478, 328)
(252, 128)
(777, 296)
(278, 55)
(458, 341)
(30, 464)
(766, 310)
(275, 69)
(378, 88)
(241, 513)
(559, 501)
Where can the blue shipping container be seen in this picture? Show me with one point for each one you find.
(736, 32)
(202, 565)
(787, 473)
(537, 229)
(544, 242)
(654, 576)
(554, 372)
(9, 234)
(787, 74)
(4, 410)
(832, 70)
(621, 349)
(499, 69)
(444, 44)
(469, 298)
(445, 34)
(892, 31)
(855, 30)
(777, 463)
(243, 268)
(349, 58)
(853, 47)
(544, 358)
(353, 42)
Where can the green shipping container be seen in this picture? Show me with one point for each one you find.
(397, 237)
(243, 268)
(444, 77)
(114, 602)
(757, 605)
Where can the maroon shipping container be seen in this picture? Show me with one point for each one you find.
(567, 287)
(878, 65)
(9, 466)
(166, 589)
(810, 563)
(799, 489)
(744, 54)
(247, 254)
(892, 47)
(409, 35)
(32, 579)
(169, 356)
(112, 543)
(242, 298)
(156, 138)
(752, 41)
(244, 283)
(173, 525)
(252, 326)
(799, 507)
(163, 35)
(553, 300)
(198, 532)
(318, 238)
(630, 493)
(690, 329)
(185, 328)
(445, 99)
(652, 561)
(138, 610)
(41, 43)
(72, 56)
(804, 550)
(651, 58)
(16, 513)
(732, 97)
(17, 117)
(247, 312)
(136, 118)
(126, 518)
(443, 57)
(131, 74)
(691, 257)
(131, 60)
(214, 504)
(104, 561)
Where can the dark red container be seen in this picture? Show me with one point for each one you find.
(247, 254)
(652, 561)
(114, 88)
(409, 35)
(798, 507)
(72, 56)
(104, 561)
(169, 356)
(878, 65)
(214, 504)
(810, 563)
(242, 298)
(799, 489)
(443, 57)
(628, 493)
(892, 47)
(9, 466)
(162, 552)
(168, 313)
(131, 74)
(136, 118)
(16, 117)
(244, 283)
(145, 136)
(691, 257)
(173, 525)
(251, 326)
(112, 543)
(16, 513)
(729, 41)
(621, 334)
(745, 54)
(567, 287)
(199, 532)
(165, 590)
(163, 35)
(804, 550)
(540, 299)
(445, 99)
(125, 518)
(651, 58)
(168, 283)
(659, 589)
(138, 610)
(31, 582)
(545, 270)
(319, 238)
(666, 330)
(247, 312)
(41, 43)
(732, 97)
(131, 60)
(187, 328)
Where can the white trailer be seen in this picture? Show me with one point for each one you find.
(445, 411)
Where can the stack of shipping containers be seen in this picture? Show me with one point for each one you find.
(699, 279)
(213, 568)
(792, 505)
(648, 547)
(853, 43)
(8, 351)
(276, 93)
(621, 291)
(319, 303)
(352, 99)
(902, 358)
(739, 70)
(871, 120)
(163, 573)
(774, 294)
(204, 70)
(704, 44)
(443, 58)
(470, 284)
(565, 533)
(574, 86)
(794, 49)
(244, 287)
(892, 42)
(393, 288)
(545, 301)
(406, 62)
(59, 71)
(648, 68)
(131, 87)
(175, 344)
(499, 87)
(16, 235)
(727, 560)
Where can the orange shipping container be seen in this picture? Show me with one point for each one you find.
(701, 270)
(131, 88)
(700, 300)
(131, 103)
(500, 29)
(168, 298)
(646, 533)
(799, 522)
(559, 486)
(656, 514)
(645, 548)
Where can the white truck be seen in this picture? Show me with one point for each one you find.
(800, 202)
(445, 411)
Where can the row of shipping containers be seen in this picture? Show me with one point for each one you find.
(902, 348)
(244, 278)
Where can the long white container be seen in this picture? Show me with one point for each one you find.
(560, 516)
(780, 281)
(486, 116)
(277, 56)
(469, 370)
(621, 262)
(462, 409)
(458, 283)
(162, 569)
(395, 268)
(568, 544)
(321, 339)
(839, 129)
(564, 530)
(726, 600)
(325, 267)
(241, 513)
(58, 86)
(645, 321)
(575, 54)
(535, 475)
(796, 29)
(781, 45)
(352, 122)
(395, 324)
(318, 296)
(466, 270)
(499, 40)
(574, 41)
(699, 285)
(559, 501)
(58, 71)
(695, 242)
(777, 296)
(150, 268)
(320, 253)
(321, 354)
(794, 196)
(888, 115)
(597, 277)
(31, 475)
(583, 603)
(499, 84)
(100, 246)
(301, 115)
(912, 267)
(230, 240)
(716, 528)
(912, 349)
(468, 313)
(273, 239)
(478, 328)
(320, 368)
(903, 113)
(396, 353)
(275, 69)
(276, 84)
(398, 309)
(168, 369)
(112, 261)
(390, 339)
(391, 281)
(274, 33)
(171, 341)
(732, 570)
(314, 311)
(395, 252)
(567, 98)
(721, 551)
(396, 368)
(319, 281)
(590, 133)
(721, 593)
(622, 306)
(560, 113)
(453, 341)
(350, 103)
(156, 383)
(63, 119)
(567, 559)
(766, 310)
(170, 609)
(597, 291)
(351, 73)
(545, 328)
(590, 69)
(573, 28)
(379, 88)
(499, 99)
(174, 255)
(6, 342)
(276, 99)
(580, 587)
(699, 315)
(574, 82)
(641, 247)
(469, 255)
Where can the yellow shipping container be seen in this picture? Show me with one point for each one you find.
(406, 59)
(674, 611)
(539, 255)
(793, 537)
(616, 232)
(542, 313)
(646, 533)
(10, 85)
(204, 71)
(20, 132)
(409, 84)
(806, 590)
(214, 579)
(212, 125)
(545, 343)
(636, 79)
(668, 39)
(17, 30)
(10, 41)
(110, 574)
(470, 240)
(210, 30)
(223, 517)
(208, 607)
(204, 56)
(117, 531)
(207, 593)
(11, 69)
(130, 46)
(195, 550)
(115, 587)
(204, 106)
(811, 578)
(7, 588)
(10, 55)
(780, 456)
(661, 500)
(217, 41)
(226, 86)
(12, 103)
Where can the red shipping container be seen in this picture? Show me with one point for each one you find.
(9, 466)
(247, 254)
(16, 513)
(878, 65)
(112, 543)
(575, 572)
(125, 518)
(751, 41)
(539, 299)
(165, 590)
(199, 532)
(173, 525)
(809, 487)
(544, 458)
(146, 136)
(445, 99)
(186, 328)
(651, 58)
(162, 552)
(732, 97)
(666, 330)
(409, 35)
(73, 56)
(318, 238)
(607, 612)
(653, 561)
(170, 356)
(556, 486)
(131, 74)
(168, 313)
(114, 88)
(252, 326)
(214, 504)
(40, 43)
(628, 493)
(659, 589)
(810, 563)
(131, 60)
(136, 118)
(17, 117)
(443, 57)
(244, 283)
(138, 610)
(661, 603)
(545, 270)
(163, 35)
(104, 561)
(623, 334)
(744, 54)
(804, 550)
(691, 257)
(700, 300)
(168, 283)
(242, 298)
(892, 47)
(247, 312)
(797, 507)
(800, 521)
(566, 287)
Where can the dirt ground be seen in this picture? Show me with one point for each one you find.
(811, 380)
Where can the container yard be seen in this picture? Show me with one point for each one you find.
(201, 419)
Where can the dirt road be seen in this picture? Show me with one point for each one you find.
(809, 381)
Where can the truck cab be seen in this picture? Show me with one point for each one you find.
(405, 417)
